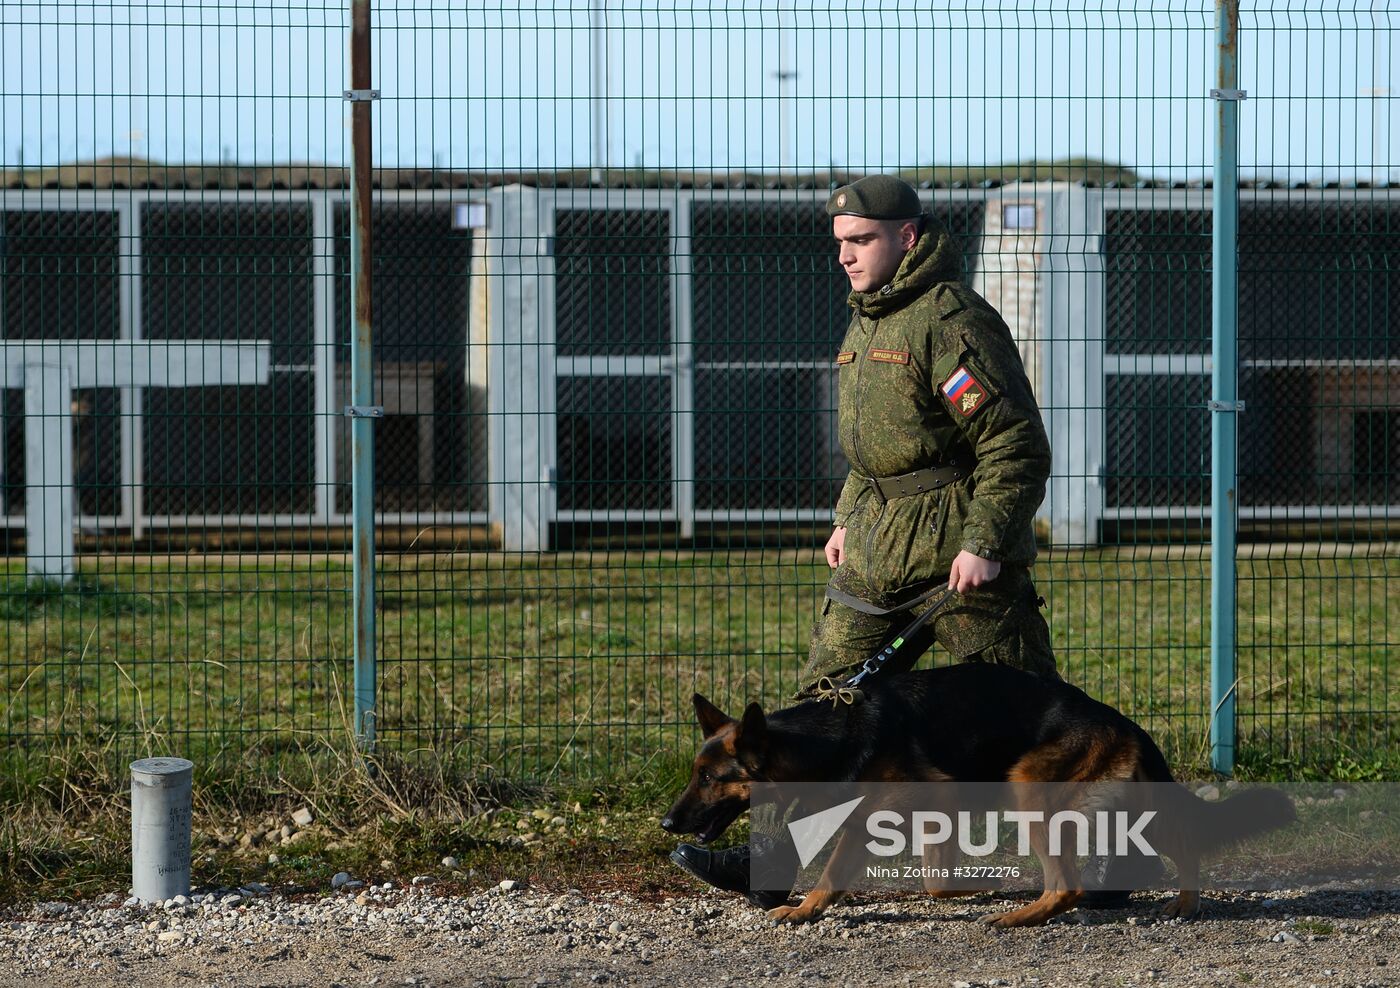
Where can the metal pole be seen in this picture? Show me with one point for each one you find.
(1224, 405)
(784, 75)
(361, 409)
(597, 88)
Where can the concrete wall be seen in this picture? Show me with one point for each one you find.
(1010, 267)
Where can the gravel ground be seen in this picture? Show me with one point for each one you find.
(383, 935)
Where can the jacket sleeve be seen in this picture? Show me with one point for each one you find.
(846, 503)
(1005, 431)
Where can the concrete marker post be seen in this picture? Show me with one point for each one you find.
(162, 791)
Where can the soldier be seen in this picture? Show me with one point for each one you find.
(947, 448)
(949, 461)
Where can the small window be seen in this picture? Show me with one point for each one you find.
(1018, 216)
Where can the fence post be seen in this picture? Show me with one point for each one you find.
(361, 409)
(1224, 405)
(1072, 363)
(520, 369)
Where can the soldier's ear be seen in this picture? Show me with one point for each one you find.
(711, 718)
(909, 235)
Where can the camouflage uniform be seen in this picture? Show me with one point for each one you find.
(910, 345)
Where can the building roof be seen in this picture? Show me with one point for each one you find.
(136, 173)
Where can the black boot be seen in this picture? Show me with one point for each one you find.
(1109, 880)
(733, 870)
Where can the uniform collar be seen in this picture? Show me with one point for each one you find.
(935, 257)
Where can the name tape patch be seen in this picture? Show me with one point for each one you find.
(964, 392)
(846, 357)
(889, 356)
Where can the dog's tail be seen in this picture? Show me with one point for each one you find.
(1210, 826)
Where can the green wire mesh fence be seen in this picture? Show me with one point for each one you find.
(606, 307)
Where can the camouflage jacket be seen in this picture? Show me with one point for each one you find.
(928, 371)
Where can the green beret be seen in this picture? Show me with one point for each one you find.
(876, 197)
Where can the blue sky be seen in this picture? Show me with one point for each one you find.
(694, 84)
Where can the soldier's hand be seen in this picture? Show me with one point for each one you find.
(969, 571)
(836, 548)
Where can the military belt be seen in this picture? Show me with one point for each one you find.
(865, 607)
(919, 481)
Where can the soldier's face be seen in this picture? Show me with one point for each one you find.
(870, 250)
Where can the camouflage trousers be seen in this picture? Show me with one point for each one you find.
(999, 622)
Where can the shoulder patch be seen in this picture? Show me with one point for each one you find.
(964, 392)
(947, 360)
(889, 356)
(846, 357)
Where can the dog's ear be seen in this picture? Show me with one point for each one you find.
(752, 737)
(711, 718)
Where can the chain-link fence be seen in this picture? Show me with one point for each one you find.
(606, 306)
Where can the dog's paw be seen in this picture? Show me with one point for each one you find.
(1011, 919)
(1182, 908)
(793, 914)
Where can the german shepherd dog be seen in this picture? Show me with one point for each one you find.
(972, 722)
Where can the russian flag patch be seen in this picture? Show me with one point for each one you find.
(964, 392)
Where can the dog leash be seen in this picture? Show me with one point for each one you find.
(846, 692)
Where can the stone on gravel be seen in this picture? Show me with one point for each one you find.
(303, 817)
(449, 862)
(340, 879)
(508, 885)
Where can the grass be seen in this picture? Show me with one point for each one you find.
(65, 830)
(567, 679)
(581, 667)
(65, 833)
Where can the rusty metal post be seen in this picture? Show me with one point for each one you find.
(361, 410)
(1225, 406)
